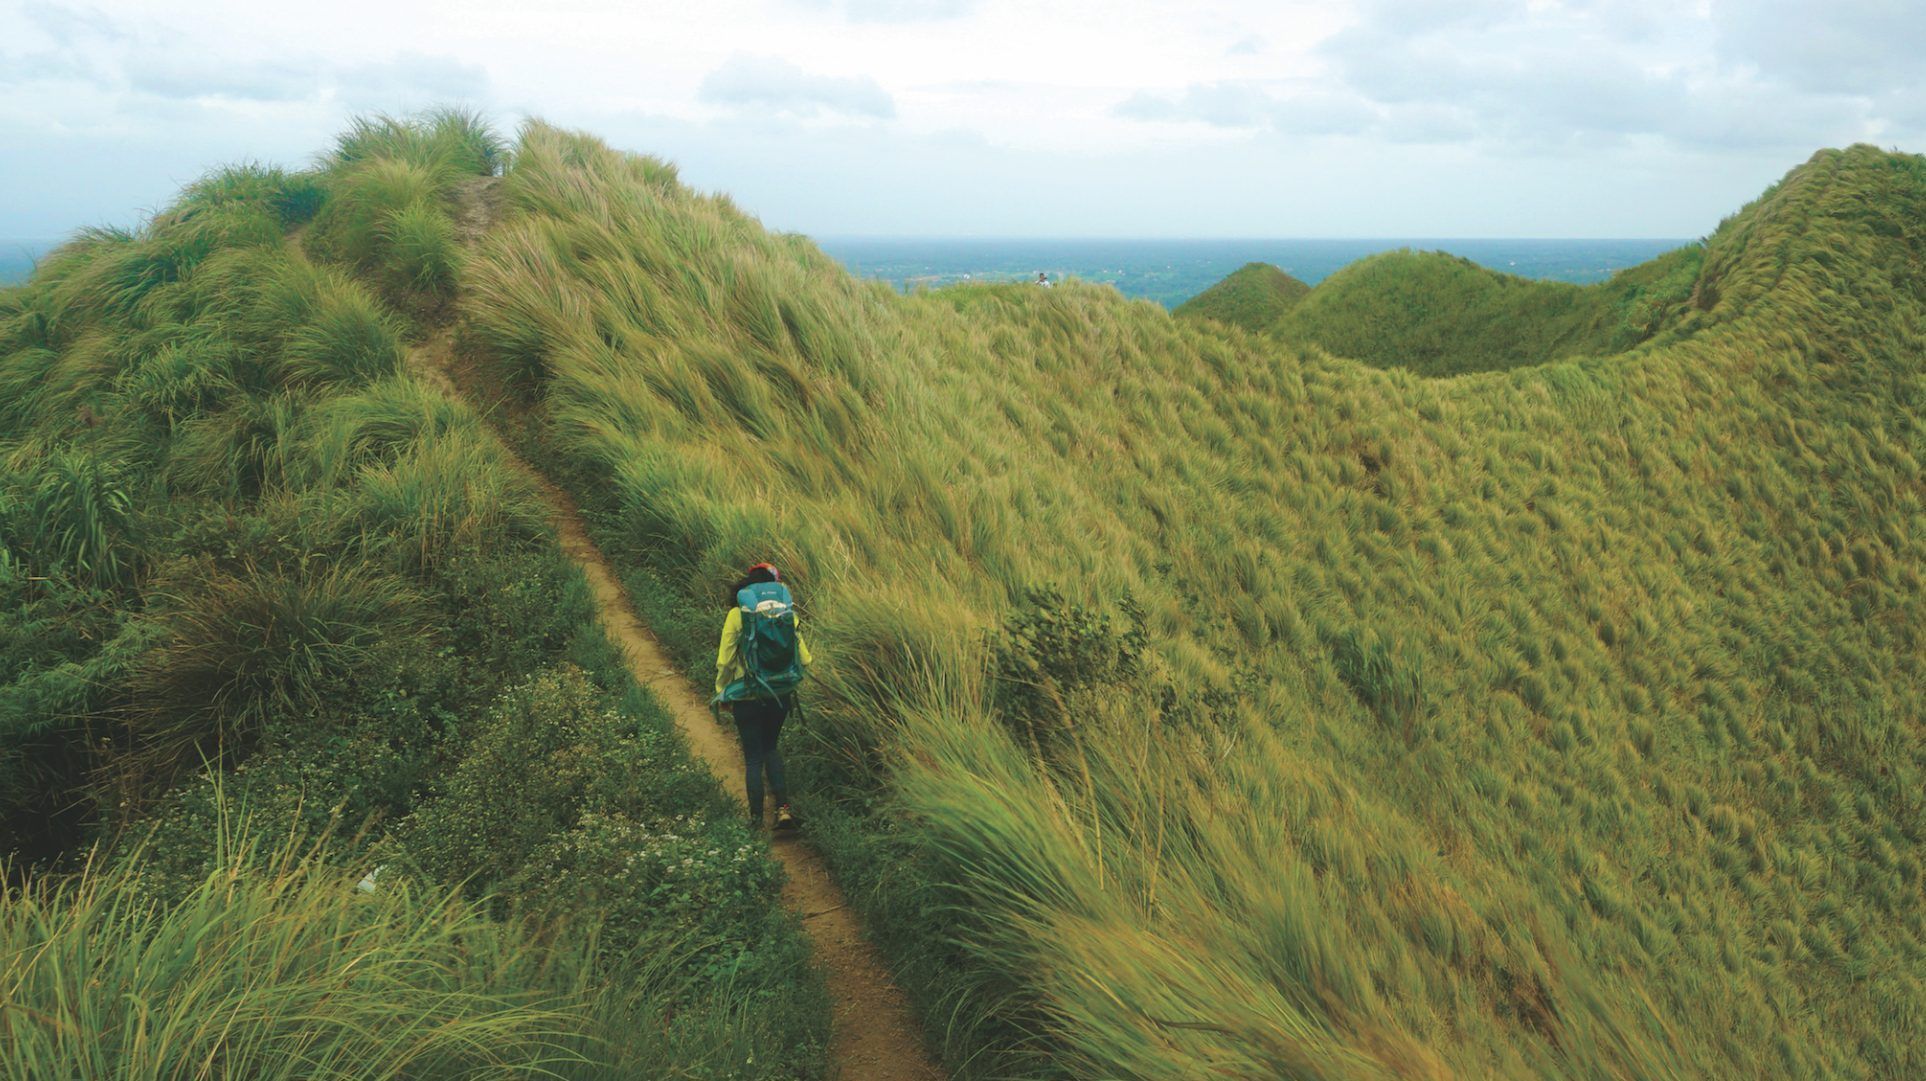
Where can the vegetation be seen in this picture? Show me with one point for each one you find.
(1558, 720)
(1254, 296)
(1437, 314)
(1536, 693)
(259, 583)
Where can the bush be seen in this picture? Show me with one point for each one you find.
(188, 374)
(363, 198)
(548, 752)
(1051, 653)
(260, 644)
(456, 139)
(708, 882)
(240, 452)
(292, 197)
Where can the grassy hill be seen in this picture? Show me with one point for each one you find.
(275, 615)
(1194, 703)
(1254, 296)
(1438, 314)
(1224, 707)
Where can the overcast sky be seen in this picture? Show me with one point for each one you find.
(1269, 118)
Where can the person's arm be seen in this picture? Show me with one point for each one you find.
(802, 648)
(726, 660)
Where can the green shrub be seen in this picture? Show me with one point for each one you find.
(548, 752)
(453, 138)
(292, 198)
(445, 498)
(708, 882)
(240, 452)
(261, 644)
(1052, 653)
(184, 376)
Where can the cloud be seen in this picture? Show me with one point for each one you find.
(396, 83)
(409, 79)
(1864, 47)
(1221, 104)
(907, 11)
(39, 67)
(1533, 76)
(171, 75)
(778, 86)
(897, 11)
(69, 26)
(1247, 105)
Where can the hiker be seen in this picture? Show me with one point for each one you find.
(1043, 279)
(758, 666)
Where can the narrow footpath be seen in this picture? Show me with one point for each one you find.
(873, 1036)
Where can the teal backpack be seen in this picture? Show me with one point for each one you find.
(771, 660)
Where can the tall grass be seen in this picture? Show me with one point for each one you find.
(246, 648)
(272, 966)
(235, 530)
(389, 183)
(1482, 726)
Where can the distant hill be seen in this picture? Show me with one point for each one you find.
(17, 258)
(1437, 314)
(1254, 296)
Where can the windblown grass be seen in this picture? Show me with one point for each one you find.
(243, 550)
(272, 966)
(1550, 721)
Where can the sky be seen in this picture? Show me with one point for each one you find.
(1041, 118)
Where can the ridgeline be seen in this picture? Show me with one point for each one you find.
(1433, 675)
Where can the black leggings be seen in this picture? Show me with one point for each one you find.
(759, 723)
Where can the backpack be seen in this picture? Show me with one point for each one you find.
(771, 660)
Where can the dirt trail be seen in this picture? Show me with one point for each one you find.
(873, 1037)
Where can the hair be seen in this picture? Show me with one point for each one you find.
(755, 575)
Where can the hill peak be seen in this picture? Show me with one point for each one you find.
(1252, 297)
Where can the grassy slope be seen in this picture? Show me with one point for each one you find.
(235, 530)
(1254, 296)
(1555, 721)
(1437, 314)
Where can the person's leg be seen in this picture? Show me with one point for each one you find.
(771, 755)
(749, 726)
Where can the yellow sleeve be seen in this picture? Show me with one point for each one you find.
(726, 660)
(802, 648)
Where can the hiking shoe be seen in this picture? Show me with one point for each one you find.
(786, 819)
